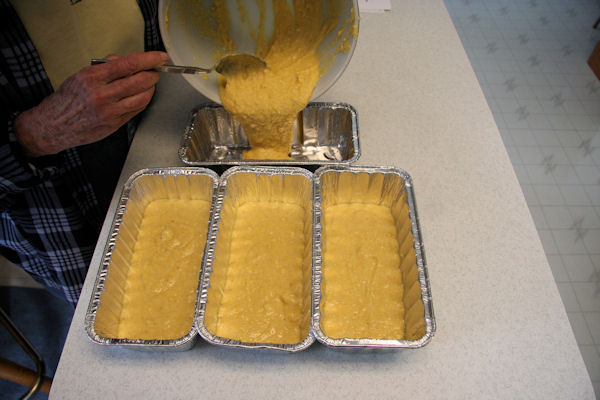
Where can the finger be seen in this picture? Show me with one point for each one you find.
(137, 102)
(133, 63)
(132, 85)
(106, 128)
(127, 116)
(124, 118)
(112, 57)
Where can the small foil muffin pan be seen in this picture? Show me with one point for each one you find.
(370, 282)
(324, 133)
(117, 286)
(256, 290)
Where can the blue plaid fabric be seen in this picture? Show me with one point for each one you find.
(50, 216)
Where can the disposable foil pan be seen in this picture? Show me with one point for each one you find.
(324, 133)
(143, 187)
(238, 186)
(393, 188)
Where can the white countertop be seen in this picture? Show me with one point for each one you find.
(502, 331)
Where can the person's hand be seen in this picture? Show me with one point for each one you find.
(90, 105)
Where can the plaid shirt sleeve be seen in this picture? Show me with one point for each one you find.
(49, 215)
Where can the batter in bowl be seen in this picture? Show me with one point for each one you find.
(267, 100)
(298, 40)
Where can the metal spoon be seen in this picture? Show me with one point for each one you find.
(225, 65)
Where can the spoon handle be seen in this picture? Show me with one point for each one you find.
(180, 69)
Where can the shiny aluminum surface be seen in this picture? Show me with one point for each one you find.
(312, 191)
(391, 187)
(141, 188)
(325, 133)
(248, 183)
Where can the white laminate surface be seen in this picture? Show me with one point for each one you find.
(502, 331)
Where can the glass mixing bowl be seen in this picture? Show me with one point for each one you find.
(183, 28)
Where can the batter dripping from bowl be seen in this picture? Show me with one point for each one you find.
(267, 100)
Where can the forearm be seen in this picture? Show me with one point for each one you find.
(35, 134)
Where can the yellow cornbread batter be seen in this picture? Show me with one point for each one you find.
(160, 288)
(362, 285)
(296, 38)
(262, 294)
(267, 100)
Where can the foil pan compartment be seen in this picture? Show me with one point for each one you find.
(240, 186)
(324, 133)
(142, 188)
(392, 188)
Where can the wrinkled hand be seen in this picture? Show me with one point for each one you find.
(90, 105)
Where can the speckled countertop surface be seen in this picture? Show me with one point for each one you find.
(502, 329)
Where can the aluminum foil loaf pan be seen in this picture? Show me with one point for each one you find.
(256, 284)
(324, 133)
(146, 291)
(370, 282)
